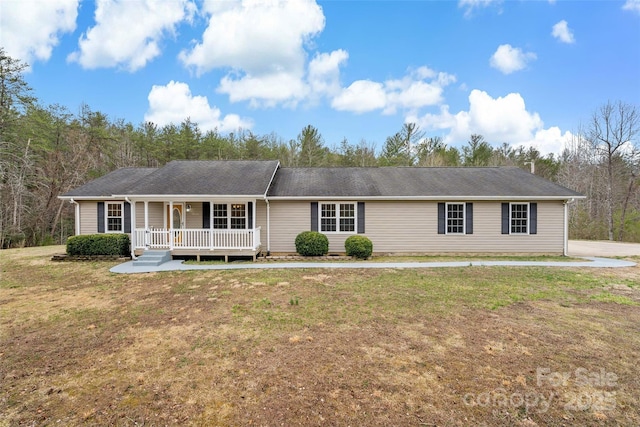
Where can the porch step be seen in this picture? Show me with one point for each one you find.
(152, 258)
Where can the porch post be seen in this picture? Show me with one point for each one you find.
(210, 225)
(146, 215)
(134, 240)
(253, 233)
(170, 220)
(146, 224)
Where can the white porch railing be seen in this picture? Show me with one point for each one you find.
(186, 238)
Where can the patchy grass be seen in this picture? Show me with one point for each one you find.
(457, 346)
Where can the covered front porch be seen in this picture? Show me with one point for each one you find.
(213, 228)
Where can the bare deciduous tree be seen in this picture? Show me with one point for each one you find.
(612, 132)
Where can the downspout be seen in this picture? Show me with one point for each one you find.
(77, 216)
(268, 226)
(269, 208)
(133, 228)
(565, 250)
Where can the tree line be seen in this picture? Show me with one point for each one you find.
(47, 150)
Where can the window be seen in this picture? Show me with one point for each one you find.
(233, 216)
(519, 218)
(338, 217)
(238, 216)
(114, 218)
(347, 217)
(455, 218)
(327, 217)
(220, 215)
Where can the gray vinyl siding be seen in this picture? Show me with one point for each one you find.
(140, 215)
(156, 214)
(288, 219)
(412, 227)
(261, 219)
(88, 217)
(193, 219)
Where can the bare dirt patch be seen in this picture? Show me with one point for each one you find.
(469, 346)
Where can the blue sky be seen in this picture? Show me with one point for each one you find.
(522, 72)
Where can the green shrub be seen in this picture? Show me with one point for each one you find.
(312, 243)
(99, 244)
(358, 246)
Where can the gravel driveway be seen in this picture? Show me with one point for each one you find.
(602, 248)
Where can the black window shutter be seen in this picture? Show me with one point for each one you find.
(250, 215)
(533, 218)
(127, 217)
(314, 216)
(441, 218)
(206, 215)
(505, 218)
(360, 217)
(100, 217)
(469, 218)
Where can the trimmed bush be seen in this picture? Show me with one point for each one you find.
(99, 244)
(312, 243)
(358, 246)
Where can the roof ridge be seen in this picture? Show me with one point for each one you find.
(218, 160)
(403, 167)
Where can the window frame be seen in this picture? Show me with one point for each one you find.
(215, 210)
(233, 208)
(512, 219)
(107, 217)
(463, 225)
(229, 210)
(338, 216)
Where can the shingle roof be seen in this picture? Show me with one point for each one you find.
(414, 182)
(200, 177)
(116, 182)
(251, 178)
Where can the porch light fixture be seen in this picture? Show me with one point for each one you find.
(188, 208)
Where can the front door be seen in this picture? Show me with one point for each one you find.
(177, 222)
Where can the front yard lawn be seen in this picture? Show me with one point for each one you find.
(451, 346)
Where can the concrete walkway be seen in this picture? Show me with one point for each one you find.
(178, 265)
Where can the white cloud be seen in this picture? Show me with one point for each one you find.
(471, 5)
(419, 88)
(324, 72)
(508, 59)
(257, 36)
(550, 140)
(262, 41)
(360, 97)
(174, 103)
(562, 32)
(264, 46)
(265, 90)
(30, 29)
(632, 5)
(502, 119)
(128, 34)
